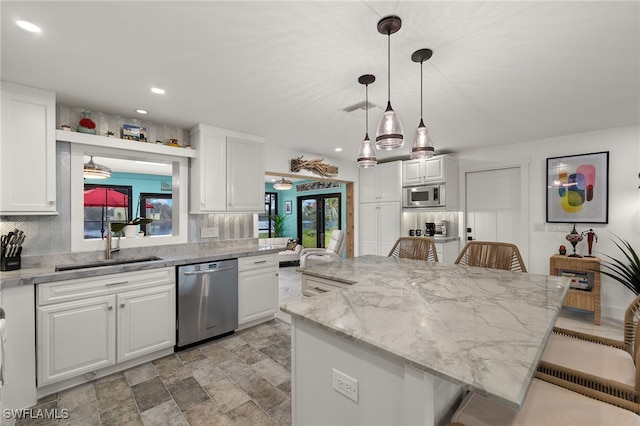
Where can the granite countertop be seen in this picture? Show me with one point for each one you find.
(484, 329)
(182, 256)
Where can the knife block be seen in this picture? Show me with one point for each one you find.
(11, 263)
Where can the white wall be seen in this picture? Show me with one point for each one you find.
(623, 144)
(278, 160)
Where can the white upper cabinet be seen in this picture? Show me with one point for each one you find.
(429, 170)
(28, 151)
(227, 173)
(381, 183)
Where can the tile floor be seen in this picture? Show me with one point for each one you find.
(242, 379)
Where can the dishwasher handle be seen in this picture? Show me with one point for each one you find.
(208, 271)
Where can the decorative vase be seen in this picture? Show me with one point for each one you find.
(86, 124)
(131, 231)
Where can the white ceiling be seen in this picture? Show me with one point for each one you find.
(501, 72)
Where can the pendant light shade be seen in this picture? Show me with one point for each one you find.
(367, 153)
(389, 134)
(95, 171)
(422, 142)
(283, 185)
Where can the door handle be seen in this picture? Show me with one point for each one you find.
(208, 271)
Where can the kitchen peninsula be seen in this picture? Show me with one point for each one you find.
(403, 342)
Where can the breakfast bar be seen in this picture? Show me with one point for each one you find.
(402, 341)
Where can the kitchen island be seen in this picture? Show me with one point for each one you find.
(411, 337)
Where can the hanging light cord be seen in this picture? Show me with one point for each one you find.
(366, 110)
(389, 66)
(421, 62)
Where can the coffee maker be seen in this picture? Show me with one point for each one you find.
(430, 229)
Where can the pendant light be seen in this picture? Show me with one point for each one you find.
(367, 153)
(283, 185)
(95, 171)
(422, 143)
(389, 134)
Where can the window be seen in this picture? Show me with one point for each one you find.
(104, 203)
(159, 208)
(265, 225)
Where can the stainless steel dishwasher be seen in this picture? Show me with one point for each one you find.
(207, 300)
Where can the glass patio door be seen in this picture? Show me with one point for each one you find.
(318, 215)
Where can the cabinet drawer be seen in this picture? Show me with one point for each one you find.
(257, 262)
(79, 288)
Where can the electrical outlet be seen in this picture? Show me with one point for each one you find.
(211, 232)
(348, 386)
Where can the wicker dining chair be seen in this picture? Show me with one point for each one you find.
(415, 248)
(596, 363)
(489, 254)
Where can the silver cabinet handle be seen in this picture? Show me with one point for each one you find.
(118, 283)
(208, 271)
(2, 315)
(122, 305)
(109, 308)
(259, 261)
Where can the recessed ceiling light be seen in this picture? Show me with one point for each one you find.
(338, 149)
(141, 111)
(157, 90)
(28, 26)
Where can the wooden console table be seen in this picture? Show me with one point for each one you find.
(582, 267)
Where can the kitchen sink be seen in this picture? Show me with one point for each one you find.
(106, 262)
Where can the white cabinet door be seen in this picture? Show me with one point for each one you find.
(27, 151)
(388, 226)
(75, 338)
(389, 181)
(412, 172)
(245, 175)
(146, 321)
(379, 227)
(381, 183)
(434, 169)
(208, 173)
(368, 185)
(369, 229)
(258, 295)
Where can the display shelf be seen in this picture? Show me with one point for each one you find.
(585, 288)
(96, 140)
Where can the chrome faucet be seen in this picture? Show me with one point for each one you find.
(110, 249)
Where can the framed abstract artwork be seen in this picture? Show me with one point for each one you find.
(578, 188)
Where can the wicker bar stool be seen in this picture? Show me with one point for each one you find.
(546, 404)
(594, 362)
(489, 254)
(415, 248)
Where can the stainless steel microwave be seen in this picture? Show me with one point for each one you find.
(423, 196)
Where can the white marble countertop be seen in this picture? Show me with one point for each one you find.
(184, 255)
(483, 329)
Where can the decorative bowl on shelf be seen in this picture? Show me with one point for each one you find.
(86, 125)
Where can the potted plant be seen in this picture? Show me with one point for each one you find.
(131, 227)
(628, 274)
(279, 225)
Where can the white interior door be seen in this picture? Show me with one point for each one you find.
(493, 205)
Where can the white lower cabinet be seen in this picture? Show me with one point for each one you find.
(258, 293)
(84, 325)
(379, 227)
(75, 338)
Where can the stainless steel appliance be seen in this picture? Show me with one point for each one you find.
(423, 196)
(441, 227)
(207, 300)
